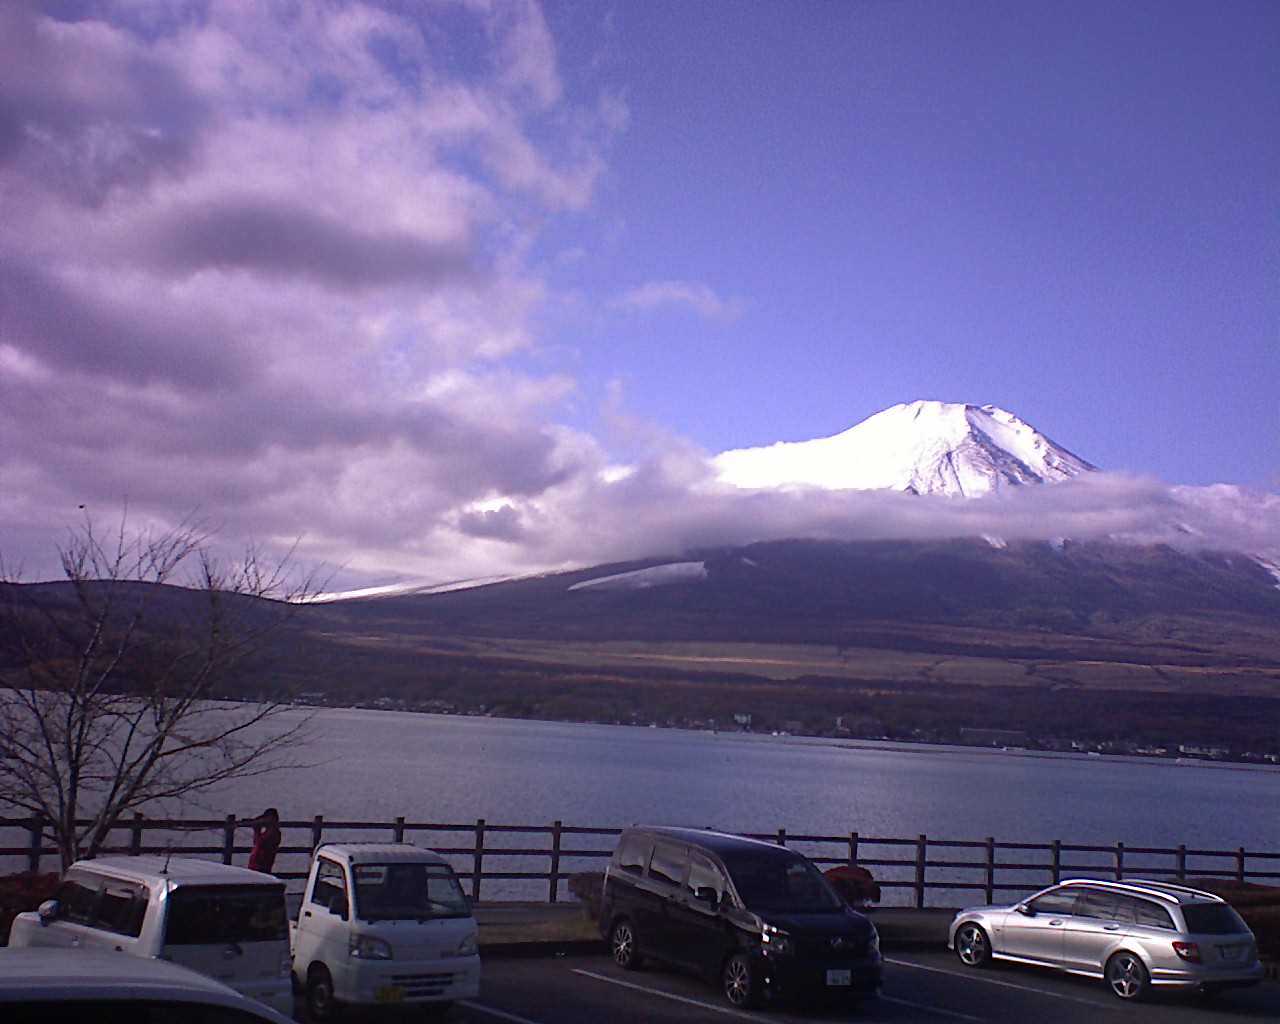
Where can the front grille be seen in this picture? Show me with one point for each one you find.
(821, 950)
(420, 986)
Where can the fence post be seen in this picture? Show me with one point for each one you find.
(991, 869)
(317, 830)
(228, 839)
(478, 864)
(398, 832)
(555, 859)
(853, 848)
(1240, 865)
(1057, 861)
(1181, 861)
(36, 826)
(922, 844)
(782, 837)
(1119, 861)
(135, 838)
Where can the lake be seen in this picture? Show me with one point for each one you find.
(375, 765)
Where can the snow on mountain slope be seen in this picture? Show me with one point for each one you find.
(654, 576)
(923, 447)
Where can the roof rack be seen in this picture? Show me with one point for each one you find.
(1137, 886)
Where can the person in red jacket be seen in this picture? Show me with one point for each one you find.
(266, 840)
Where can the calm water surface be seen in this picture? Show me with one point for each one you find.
(374, 765)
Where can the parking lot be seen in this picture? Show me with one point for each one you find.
(917, 987)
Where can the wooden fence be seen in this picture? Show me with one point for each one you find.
(493, 852)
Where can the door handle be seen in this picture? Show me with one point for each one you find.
(1111, 927)
(1055, 923)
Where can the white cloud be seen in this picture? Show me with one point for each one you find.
(694, 296)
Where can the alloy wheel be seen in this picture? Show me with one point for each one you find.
(623, 944)
(971, 946)
(737, 981)
(1126, 975)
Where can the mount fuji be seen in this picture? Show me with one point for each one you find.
(921, 447)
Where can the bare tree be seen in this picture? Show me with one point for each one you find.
(109, 679)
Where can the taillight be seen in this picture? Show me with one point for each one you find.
(1188, 951)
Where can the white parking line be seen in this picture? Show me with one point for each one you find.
(500, 1014)
(975, 976)
(929, 1009)
(672, 996)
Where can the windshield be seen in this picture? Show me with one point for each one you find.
(401, 892)
(1212, 919)
(200, 915)
(781, 884)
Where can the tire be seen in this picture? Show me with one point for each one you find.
(1127, 976)
(739, 983)
(321, 1005)
(973, 946)
(622, 945)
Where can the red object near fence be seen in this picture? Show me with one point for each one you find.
(856, 885)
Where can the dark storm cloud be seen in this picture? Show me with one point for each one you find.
(69, 330)
(87, 112)
(259, 236)
(495, 524)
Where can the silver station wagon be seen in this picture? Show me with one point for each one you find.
(1133, 934)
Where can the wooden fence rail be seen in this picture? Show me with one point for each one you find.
(929, 865)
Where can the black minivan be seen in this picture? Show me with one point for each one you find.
(757, 917)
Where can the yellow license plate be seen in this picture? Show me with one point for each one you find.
(389, 994)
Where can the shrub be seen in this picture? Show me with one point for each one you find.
(20, 893)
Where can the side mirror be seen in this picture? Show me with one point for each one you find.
(48, 911)
(708, 895)
(1025, 910)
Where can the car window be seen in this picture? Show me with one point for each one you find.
(705, 875)
(781, 883)
(1149, 914)
(1057, 901)
(330, 882)
(77, 894)
(408, 891)
(1101, 905)
(199, 915)
(121, 908)
(633, 851)
(668, 863)
(1212, 919)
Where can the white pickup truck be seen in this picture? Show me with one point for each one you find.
(383, 924)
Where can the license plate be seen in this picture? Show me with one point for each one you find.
(1229, 952)
(389, 994)
(841, 978)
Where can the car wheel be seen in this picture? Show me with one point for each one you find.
(1127, 976)
(738, 979)
(622, 944)
(321, 1006)
(972, 946)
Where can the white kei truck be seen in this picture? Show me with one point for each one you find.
(383, 924)
(225, 922)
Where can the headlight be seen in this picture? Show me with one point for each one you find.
(774, 940)
(366, 947)
(467, 947)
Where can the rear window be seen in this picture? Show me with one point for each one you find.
(202, 915)
(1212, 919)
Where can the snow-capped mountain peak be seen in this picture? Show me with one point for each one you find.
(925, 447)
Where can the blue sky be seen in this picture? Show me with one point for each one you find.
(1071, 211)
(411, 281)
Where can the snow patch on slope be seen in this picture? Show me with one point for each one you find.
(921, 447)
(654, 576)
